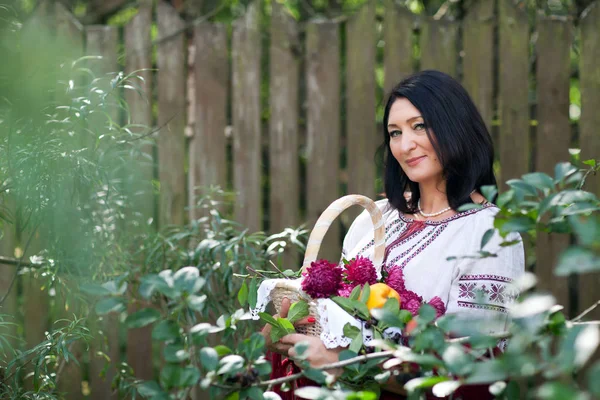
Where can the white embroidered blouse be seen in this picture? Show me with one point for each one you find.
(473, 287)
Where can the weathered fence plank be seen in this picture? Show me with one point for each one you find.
(323, 127)
(138, 57)
(553, 136)
(439, 45)
(361, 128)
(284, 169)
(513, 96)
(8, 278)
(171, 115)
(478, 61)
(103, 41)
(398, 24)
(208, 163)
(246, 51)
(589, 130)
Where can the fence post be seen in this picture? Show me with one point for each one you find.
(553, 136)
(513, 97)
(323, 127)
(102, 41)
(478, 60)
(362, 137)
(138, 53)
(398, 25)
(589, 130)
(284, 168)
(208, 147)
(439, 45)
(247, 151)
(171, 115)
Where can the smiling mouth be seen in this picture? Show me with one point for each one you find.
(414, 161)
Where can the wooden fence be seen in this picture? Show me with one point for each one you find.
(321, 107)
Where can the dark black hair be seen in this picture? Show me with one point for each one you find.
(458, 135)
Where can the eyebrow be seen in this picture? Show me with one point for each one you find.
(408, 120)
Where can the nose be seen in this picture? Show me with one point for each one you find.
(407, 143)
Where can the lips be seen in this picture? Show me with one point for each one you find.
(414, 161)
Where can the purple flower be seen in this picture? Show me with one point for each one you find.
(346, 289)
(395, 279)
(360, 270)
(322, 279)
(438, 304)
(410, 301)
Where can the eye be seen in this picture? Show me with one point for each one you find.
(395, 133)
(420, 126)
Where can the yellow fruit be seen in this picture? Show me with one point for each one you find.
(380, 292)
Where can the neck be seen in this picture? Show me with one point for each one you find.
(433, 197)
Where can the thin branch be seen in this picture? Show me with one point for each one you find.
(15, 261)
(587, 311)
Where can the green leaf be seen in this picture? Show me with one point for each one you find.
(557, 391)
(390, 318)
(253, 293)
(350, 331)
(424, 382)
(355, 294)
(366, 292)
(518, 224)
(426, 313)
(357, 343)
(286, 325)
(175, 353)
(142, 318)
(111, 304)
(277, 332)
(577, 260)
(392, 304)
(563, 170)
(243, 294)
(268, 319)
(195, 302)
(188, 280)
(486, 237)
(151, 389)
(209, 358)
(165, 330)
(591, 163)
(222, 350)
(587, 229)
(540, 181)
(489, 192)
(231, 364)
(487, 372)
(253, 393)
(315, 375)
(469, 206)
(94, 289)
(175, 376)
(505, 198)
(297, 311)
(593, 379)
(525, 187)
(344, 303)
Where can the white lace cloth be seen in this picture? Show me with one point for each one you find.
(331, 316)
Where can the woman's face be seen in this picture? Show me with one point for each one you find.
(410, 145)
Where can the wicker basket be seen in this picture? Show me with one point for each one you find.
(291, 289)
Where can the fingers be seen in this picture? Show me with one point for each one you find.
(285, 307)
(294, 338)
(305, 321)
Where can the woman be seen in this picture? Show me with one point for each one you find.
(438, 155)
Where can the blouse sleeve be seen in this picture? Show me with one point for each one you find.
(482, 288)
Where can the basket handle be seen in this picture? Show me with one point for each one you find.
(331, 213)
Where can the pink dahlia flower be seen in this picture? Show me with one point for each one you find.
(410, 301)
(346, 289)
(438, 304)
(322, 279)
(360, 270)
(395, 279)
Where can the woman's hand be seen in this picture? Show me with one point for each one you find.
(279, 347)
(317, 354)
